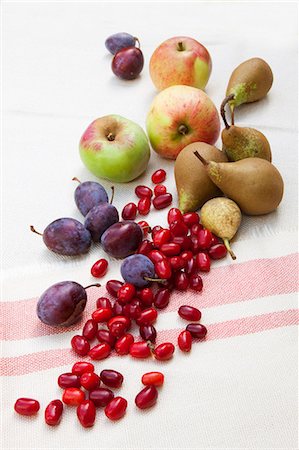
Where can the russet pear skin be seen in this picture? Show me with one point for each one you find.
(243, 142)
(253, 183)
(193, 184)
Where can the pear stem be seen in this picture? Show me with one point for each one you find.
(137, 42)
(76, 179)
(112, 195)
(227, 245)
(34, 230)
(232, 110)
(93, 285)
(222, 109)
(201, 159)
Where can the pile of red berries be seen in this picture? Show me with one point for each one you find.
(82, 381)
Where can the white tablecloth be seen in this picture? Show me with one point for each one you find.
(236, 390)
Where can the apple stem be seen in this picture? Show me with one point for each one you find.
(110, 136)
(205, 163)
(222, 110)
(180, 47)
(76, 179)
(183, 129)
(112, 195)
(93, 285)
(34, 230)
(227, 245)
(137, 42)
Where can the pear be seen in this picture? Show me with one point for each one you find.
(249, 82)
(222, 216)
(253, 183)
(193, 184)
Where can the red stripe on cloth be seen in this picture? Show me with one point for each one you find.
(223, 285)
(49, 359)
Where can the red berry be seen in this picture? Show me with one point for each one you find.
(181, 281)
(90, 329)
(116, 408)
(159, 176)
(73, 396)
(190, 266)
(86, 413)
(129, 212)
(120, 319)
(66, 380)
(161, 299)
(117, 329)
(184, 241)
(159, 189)
(177, 262)
(203, 262)
(118, 309)
(113, 286)
(147, 317)
(145, 247)
(132, 309)
(143, 191)
(178, 228)
(189, 313)
(112, 378)
(163, 269)
(195, 248)
(103, 302)
(164, 351)
(90, 381)
(147, 397)
(195, 282)
(215, 240)
(197, 330)
(82, 367)
(101, 396)
(204, 239)
(102, 315)
(26, 406)
(144, 206)
(123, 344)
(156, 256)
(99, 351)
(146, 296)
(195, 229)
(155, 229)
(186, 256)
(145, 227)
(190, 219)
(217, 251)
(99, 269)
(104, 336)
(53, 412)
(148, 332)
(152, 379)
(126, 293)
(174, 215)
(170, 249)
(162, 201)
(185, 341)
(80, 345)
(140, 350)
(161, 237)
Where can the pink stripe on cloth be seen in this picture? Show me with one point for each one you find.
(223, 285)
(35, 362)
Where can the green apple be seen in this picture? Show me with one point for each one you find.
(115, 148)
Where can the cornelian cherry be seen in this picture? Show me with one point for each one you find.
(143, 191)
(103, 302)
(159, 189)
(148, 332)
(156, 256)
(123, 344)
(99, 351)
(152, 379)
(204, 239)
(140, 350)
(178, 228)
(126, 293)
(101, 396)
(159, 176)
(90, 381)
(195, 282)
(66, 380)
(181, 281)
(163, 269)
(203, 262)
(197, 330)
(161, 299)
(104, 336)
(190, 219)
(162, 201)
(99, 269)
(82, 367)
(146, 296)
(53, 412)
(164, 351)
(129, 212)
(116, 408)
(90, 329)
(170, 249)
(177, 262)
(80, 345)
(161, 237)
(147, 397)
(185, 341)
(112, 378)
(217, 251)
(26, 406)
(113, 286)
(145, 227)
(145, 247)
(102, 315)
(73, 396)
(147, 317)
(189, 313)
(184, 241)
(144, 206)
(174, 214)
(86, 413)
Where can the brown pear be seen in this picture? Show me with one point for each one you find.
(193, 184)
(243, 142)
(253, 183)
(222, 216)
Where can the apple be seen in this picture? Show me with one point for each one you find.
(180, 60)
(178, 116)
(115, 148)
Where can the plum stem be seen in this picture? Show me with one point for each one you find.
(112, 195)
(183, 129)
(76, 179)
(205, 163)
(93, 285)
(34, 230)
(137, 42)
(227, 245)
(222, 110)
(158, 280)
